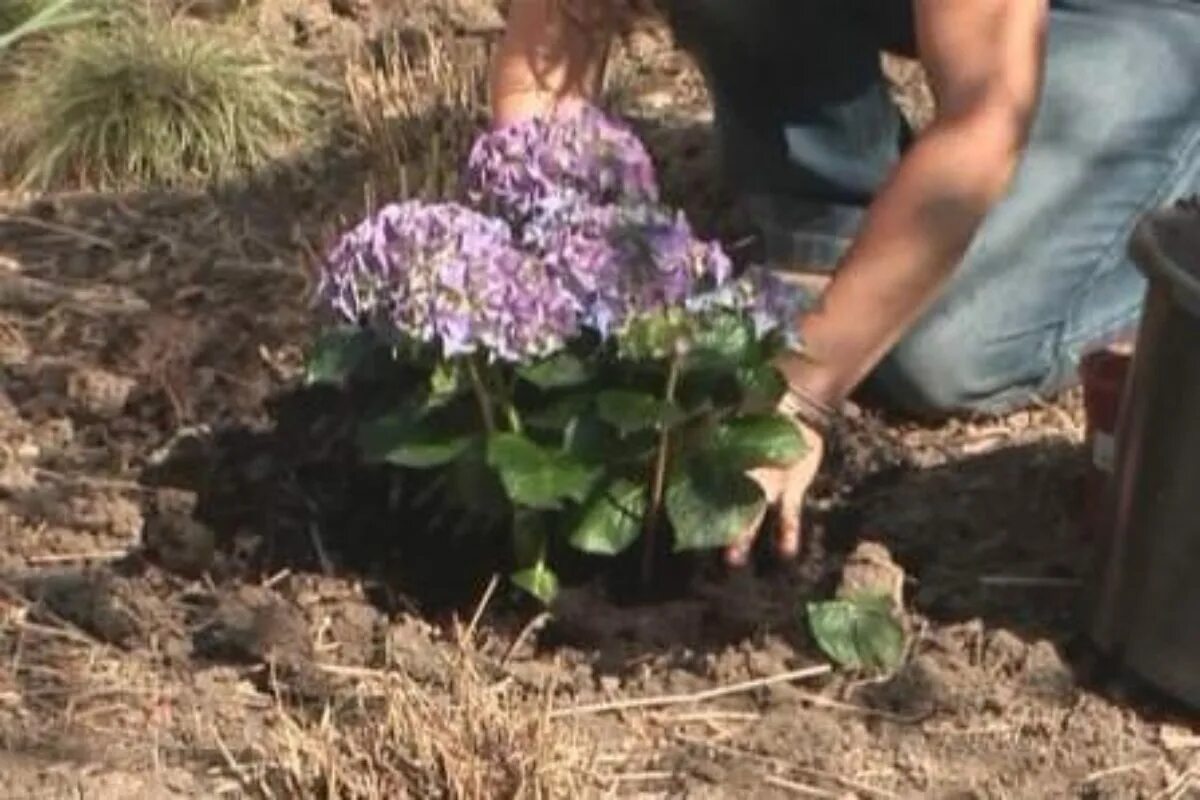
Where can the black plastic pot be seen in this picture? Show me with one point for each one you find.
(1144, 597)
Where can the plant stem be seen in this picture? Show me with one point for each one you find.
(481, 395)
(658, 478)
(514, 419)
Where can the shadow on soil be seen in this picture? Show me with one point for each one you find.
(975, 536)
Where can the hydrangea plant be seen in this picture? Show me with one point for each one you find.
(575, 345)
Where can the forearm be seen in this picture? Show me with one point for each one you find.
(913, 236)
(547, 60)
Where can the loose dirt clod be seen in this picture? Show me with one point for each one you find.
(174, 537)
(870, 570)
(98, 391)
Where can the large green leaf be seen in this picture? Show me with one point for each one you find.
(539, 580)
(757, 440)
(858, 632)
(762, 385)
(406, 440)
(537, 477)
(559, 371)
(336, 354)
(721, 342)
(709, 505)
(630, 411)
(474, 487)
(612, 520)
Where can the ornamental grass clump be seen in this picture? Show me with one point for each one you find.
(23, 19)
(577, 361)
(147, 99)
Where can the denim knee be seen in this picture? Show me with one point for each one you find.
(944, 368)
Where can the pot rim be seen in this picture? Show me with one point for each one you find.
(1166, 246)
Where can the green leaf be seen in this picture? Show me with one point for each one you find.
(475, 488)
(539, 581)
(558, 413)
(559, 371)
(446, 382)
(613, 519)
(757, 440)
(537, 477)
(336, 354)
(654, 336)
(410, 441)
(630, 412)
(762, 385)
(858, 633)
(723, 341)
(709, 505)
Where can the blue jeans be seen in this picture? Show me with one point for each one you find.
(1047, 277)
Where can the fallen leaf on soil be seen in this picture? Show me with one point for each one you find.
(859, 632)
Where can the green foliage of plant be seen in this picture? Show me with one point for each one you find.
(147, 99)
(591, 447)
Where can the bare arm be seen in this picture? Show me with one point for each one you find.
(984, 59)
(552, 57)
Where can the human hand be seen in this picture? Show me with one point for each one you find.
(785, 489)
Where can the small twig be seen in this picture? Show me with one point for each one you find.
(62, 230)
(1120, 769)
(658, 479)
(314, 536)
(67, 558)
(531, 627)
(469, 633)
(1179, 787)
(232, 763)
(481, 395)
(114, 484)
(820, 701)
(710, 716)
(361, 673)
(1178, 742)
(1028, 582)
(663, 701)
(785, 766)
(277, 578)
(802, 789)
(629, 777)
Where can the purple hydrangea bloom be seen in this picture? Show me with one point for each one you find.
(620, 261)
(447, 275)
(771, 303)
(514, 171)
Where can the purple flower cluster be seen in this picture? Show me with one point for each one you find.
(771, 303)
(513, 171)
(622, 261)
(447, 275)
(592, 249)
